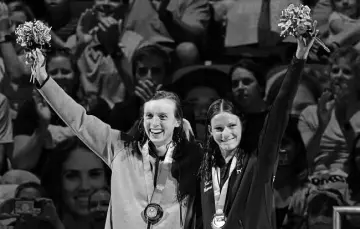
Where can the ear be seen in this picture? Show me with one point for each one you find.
(209, 130)
(178, 123)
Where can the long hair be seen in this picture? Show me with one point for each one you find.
(354, 173)
(51, 175)
(181, 156)
(211, 147)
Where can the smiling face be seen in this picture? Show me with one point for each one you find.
(226, 129)
(160, 121)
(82, 174)
(60, 69)
(347, 7)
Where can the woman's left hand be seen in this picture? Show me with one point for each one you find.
(304, 44)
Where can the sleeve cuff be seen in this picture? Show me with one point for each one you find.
(38, 85)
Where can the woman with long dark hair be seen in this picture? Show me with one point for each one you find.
(237, 186)
(154, 176)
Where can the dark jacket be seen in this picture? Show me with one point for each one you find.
(250, 199)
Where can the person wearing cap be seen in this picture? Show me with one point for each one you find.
(237, 186)
(198, 86)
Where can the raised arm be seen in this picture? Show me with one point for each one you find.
(98, 136)
(277, 118)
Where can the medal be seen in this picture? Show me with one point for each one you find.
(218, 221)
(153, 213)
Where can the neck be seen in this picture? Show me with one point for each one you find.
(161, 150)
(255, 107)
(228, 155)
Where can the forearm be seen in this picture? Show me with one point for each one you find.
(26, 154)
(277, 118)
(349, 134)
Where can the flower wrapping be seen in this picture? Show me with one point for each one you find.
(295, 21)
(33, 35)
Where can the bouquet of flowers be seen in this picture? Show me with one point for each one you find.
(296, 21)
(33, 35)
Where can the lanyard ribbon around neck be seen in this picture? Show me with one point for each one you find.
(221, 193)
(154, 194)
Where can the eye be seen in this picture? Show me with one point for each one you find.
(219, 129)
(96, 173)
(148, 116)
(232, 125)
(71, 175)
(162, 117)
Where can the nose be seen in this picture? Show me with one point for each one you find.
(155, 122)
(85, 183)
(225, 133)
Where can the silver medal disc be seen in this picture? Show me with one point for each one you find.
(218, 221)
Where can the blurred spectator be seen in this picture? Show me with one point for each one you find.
(30, 190)
(151, 67)
(59, 16)
(323, 129)
(98, 206)
(19, 177)
(12, 56)
(37, 129)
(71, 175)
(199, 86)
(6, 133)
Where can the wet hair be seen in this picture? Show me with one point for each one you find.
(27, 185)
(252, 67)
(150, 51)
(180, 156)
(51, 174)
(212, 150)
(66, 53)
(354, 173)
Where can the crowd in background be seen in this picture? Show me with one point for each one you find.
(113, 55)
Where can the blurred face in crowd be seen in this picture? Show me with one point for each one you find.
(151, 68)
(357, 154)
(287, 150)
(16, 17)
(347, 7)
(160, 121)
(105, 7)
(82, 174)
(29, 193)
(200, 98)
(226, 129)
(99, 203)
(246, 88)
(342, 76)
(60, 69)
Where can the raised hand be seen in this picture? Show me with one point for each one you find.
(304, 44)
(325, 107)
(84, 33)
(146, 89)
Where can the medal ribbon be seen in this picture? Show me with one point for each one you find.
(220, 194)
(154, 193)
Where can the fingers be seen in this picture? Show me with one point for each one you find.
(146, 89)
(314, 27)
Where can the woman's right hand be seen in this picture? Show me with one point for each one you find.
(325, 107)
(84, 37)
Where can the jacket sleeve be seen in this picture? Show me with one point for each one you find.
(277, 119)
(97, 135)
